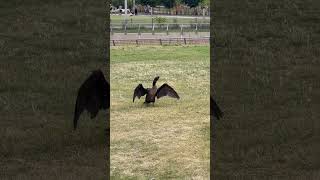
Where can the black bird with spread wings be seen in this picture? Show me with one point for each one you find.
(93, 95)
(214, 109)
(152, 93)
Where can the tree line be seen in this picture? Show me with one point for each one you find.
(165, 3)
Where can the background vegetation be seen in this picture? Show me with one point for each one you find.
(266, 78)
(166, 3)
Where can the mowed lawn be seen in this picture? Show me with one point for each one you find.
(172, 138)
(266, 79)
(148, 19)
(47, 49)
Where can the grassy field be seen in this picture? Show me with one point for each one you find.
(171, 138)
(117, 19)
(266, 78)
(47, 49)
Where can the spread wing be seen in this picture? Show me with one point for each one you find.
(139, 91)
(93, 95)
(214, 109)
(103, 91)
(166, 90)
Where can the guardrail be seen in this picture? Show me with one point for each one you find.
(160, 41)
(159, 27)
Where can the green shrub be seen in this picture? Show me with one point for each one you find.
(160, 20)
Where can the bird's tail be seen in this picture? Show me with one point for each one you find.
(155, 81)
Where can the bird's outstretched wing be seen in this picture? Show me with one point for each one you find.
(166, 90)
(93, 95)
(214, 109)
(139, 91)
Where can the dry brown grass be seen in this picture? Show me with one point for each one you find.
(171, 138)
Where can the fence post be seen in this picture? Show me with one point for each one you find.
(125, 29)
(197, 28)
(185, 42)
(152, 29)
(139, 33)
(160, 41)
(167, 29)
(137, 42)
(114, 44)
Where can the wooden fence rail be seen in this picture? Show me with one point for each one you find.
(160, 41)
(159, 27)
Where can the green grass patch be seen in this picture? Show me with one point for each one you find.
(266, 80)
(117, 24)
(117, 19)
(169, 139)
(47, 50)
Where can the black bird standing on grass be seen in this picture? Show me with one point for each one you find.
(93, 95)
(214, 108)
(152, 93)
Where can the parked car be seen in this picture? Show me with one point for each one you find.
(122, 11)
(115, 11)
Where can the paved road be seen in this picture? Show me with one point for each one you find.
(158, 35)
(183, 17)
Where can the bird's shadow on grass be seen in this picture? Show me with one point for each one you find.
(154, 105)
(90, 131)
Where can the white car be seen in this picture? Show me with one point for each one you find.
(114, 11)
(122, 11)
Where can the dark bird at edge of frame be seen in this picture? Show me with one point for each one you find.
(93, 95)
(215, 109)
(152, 93)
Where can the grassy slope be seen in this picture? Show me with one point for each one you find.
(148, 19)
(134, 21)
(46, 51)
(171, 139)
(266, 79)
